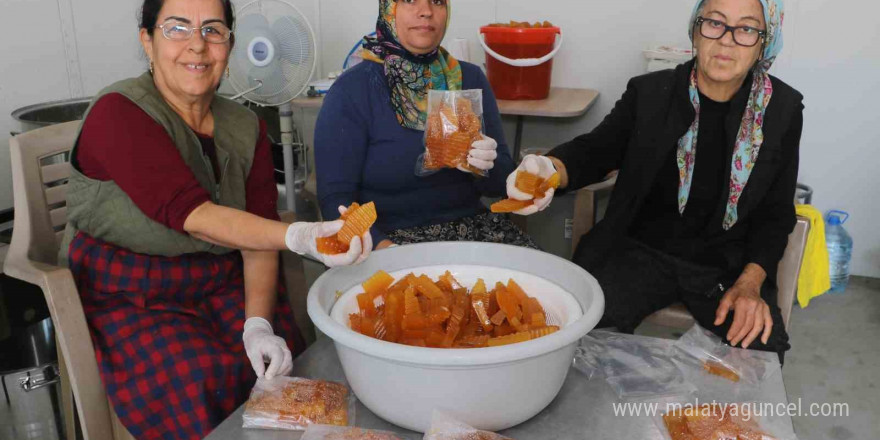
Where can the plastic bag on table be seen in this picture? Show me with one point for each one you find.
(445, 427)
(294, 403)
(701, 348)
(636, 367)
(455, 122)
(721, 421)
(331, 432)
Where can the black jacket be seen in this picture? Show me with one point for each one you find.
(641, 131)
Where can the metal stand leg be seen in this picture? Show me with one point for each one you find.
(517, 140)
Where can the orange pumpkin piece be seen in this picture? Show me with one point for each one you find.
(330, 245)
(510, 205)
(498, 318)
(427, 287)
(459, 308)
(411, 303)
(480, 302)
(503, 329)
(551, 182)
(543, 331)
(528, 182)
(394, 314)
(365, 302)
(358, 222)
(414, 321)
(377, 284)
(719, 369)
(475, 341)
(508, 302)
(509, 339)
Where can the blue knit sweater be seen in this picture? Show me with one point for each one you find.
(362, 154)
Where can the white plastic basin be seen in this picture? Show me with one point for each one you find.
(489, 388)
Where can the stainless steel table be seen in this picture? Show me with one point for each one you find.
(583, 409)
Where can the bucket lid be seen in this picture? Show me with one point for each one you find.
(516, 30)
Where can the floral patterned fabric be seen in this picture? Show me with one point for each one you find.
(487, 227)
(409, 76)
(751, 135)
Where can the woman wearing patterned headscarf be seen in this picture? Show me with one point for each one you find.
(708, 160)
(369, 136)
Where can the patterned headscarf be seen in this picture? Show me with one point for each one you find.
(410, 76)
(751, 134)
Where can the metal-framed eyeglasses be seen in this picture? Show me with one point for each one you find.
(747, 36)
(214, 32)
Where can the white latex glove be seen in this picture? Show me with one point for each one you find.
(538, 165)
(261, 345)
(482, 154)
(301, 237)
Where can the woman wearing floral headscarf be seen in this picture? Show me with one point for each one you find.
(703, 205)
(369, 136)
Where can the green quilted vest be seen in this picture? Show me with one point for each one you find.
(102, 210)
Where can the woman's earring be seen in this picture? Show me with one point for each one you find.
(227, 71)
(151, 67)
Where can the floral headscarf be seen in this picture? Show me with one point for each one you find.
(751, 134)
(409, 76)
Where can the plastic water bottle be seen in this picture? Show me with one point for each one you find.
(840, 246)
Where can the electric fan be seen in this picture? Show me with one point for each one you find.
(271, 63)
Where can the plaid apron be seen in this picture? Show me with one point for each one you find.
(167, 335)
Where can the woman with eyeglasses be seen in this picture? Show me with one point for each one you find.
(703, 204)
(173, 233)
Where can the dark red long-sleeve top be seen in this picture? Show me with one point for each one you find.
(122, 143)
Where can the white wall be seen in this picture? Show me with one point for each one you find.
(831, 56)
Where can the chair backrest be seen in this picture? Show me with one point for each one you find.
(41, 158)
(789, 268)
(40, 169)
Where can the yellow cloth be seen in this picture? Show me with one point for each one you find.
(815, 278)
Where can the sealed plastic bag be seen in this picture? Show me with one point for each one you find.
(330, 432)
(721, 421)
(703, 349)
(455, 122)
(445, 427)
(294, 403)
(636, 367)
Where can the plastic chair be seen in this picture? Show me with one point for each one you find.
(40, 169)
(589, 207)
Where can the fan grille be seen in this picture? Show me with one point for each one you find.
(294, 59)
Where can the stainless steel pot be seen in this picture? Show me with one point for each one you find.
(49, 113)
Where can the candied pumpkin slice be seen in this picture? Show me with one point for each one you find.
(551, 182)
(510, 205)
(528, 182)
(415, 321)
(475, 341)
(366, 304)
(394, 314)
(480, 304)
(426, 287)
(411, 304)
(330, 245)
(508, 303)
(498, 318)
(377, 284)
(358, 222)
(512, 338)
(543, 331)
(719, 369)
(459, 309)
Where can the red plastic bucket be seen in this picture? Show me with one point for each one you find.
(519, 61)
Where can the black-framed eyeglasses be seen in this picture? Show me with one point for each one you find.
(179, 31)
(742, 35)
